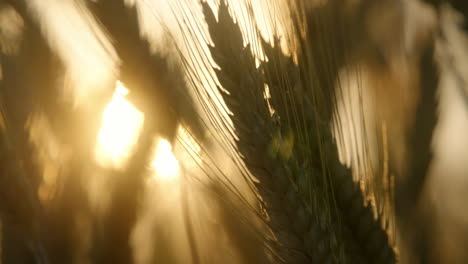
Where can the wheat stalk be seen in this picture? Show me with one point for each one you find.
(20, 209)
(411, 218)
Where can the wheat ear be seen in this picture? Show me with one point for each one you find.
(292, 213)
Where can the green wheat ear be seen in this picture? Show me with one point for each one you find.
(315, 210)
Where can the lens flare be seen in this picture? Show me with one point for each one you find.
(165, 163)
(121, 125)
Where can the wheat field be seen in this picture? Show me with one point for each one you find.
(233, 131)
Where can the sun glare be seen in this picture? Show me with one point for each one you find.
(165, 163)
(121, 125)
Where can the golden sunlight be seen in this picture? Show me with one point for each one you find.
(165, 163)
(121, 125)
